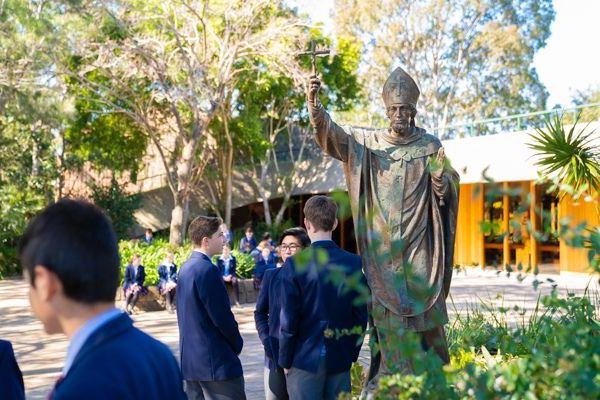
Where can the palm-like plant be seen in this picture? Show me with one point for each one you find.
(573, 157)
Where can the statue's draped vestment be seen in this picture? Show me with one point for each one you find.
(404, 235)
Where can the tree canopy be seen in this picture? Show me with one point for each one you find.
(471, 59)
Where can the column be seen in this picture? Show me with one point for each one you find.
(505, 224)
(534, 225)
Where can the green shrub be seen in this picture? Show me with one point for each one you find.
(154, 254)
(245, 264)
(554, 355)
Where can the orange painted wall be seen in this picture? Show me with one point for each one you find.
(468, 249)
(572, 259)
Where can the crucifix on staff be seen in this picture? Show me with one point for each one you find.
(314, 52)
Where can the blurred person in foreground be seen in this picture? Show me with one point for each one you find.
(70, 257)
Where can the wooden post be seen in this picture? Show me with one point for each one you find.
(505, 225)
(534, 225)
(480, 218)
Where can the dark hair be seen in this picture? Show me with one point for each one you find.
(298, 233)
(249, 230)
(321, 212)
(266, 236)
(148, 230)
(76, 241)
(202, 227)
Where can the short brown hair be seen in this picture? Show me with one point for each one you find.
(202, 227)
(321, 212)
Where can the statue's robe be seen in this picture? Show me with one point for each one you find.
(404, 235)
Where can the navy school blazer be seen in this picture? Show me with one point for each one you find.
(118, 361)
(311, 304)
(11, 379)
(167, 272)
(209, 338)
(266, 315)
(232, 265)
(134, 276)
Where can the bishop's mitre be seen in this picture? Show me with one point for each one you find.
(400, 88)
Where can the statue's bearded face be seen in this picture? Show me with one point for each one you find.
(402, 118)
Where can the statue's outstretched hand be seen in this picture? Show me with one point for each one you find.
(437, 169)
(314, 84)
(437, 173)
(441, 156)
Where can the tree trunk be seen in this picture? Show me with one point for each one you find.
(228, 172)
(177, 223)
(284, 206)
(264, 166)
(60, 166)
(182, 197)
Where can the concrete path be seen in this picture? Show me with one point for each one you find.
(41, 356)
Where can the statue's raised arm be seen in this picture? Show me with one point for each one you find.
(328, 135)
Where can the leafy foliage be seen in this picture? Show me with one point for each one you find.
(118, 205)
(471, 59)
(573, 157)
(590, 95)
(555, 357)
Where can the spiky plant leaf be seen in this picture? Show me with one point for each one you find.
(571, 156)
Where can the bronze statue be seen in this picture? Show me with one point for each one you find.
(404, 200)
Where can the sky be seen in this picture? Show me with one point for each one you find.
(569, 62)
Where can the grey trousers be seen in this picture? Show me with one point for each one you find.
(231, 389)
(304, 385)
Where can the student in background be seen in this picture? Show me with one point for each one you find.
(70, 258)
(227, 264)
(248, 243)
(267, 237)
(227, 234)
(148, 237)
(167, 281)
(265, 262)
(266, 315)
(133, 283)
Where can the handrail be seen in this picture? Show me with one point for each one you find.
(518, 117)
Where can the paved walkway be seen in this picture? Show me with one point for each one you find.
(41, 356)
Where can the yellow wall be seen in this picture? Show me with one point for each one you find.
(571, 259)
(468, 249)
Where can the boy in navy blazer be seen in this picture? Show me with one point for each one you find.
(268, 308)
(322, 318)
(209, 338)
(70, 256)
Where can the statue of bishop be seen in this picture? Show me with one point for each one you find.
(404, 200)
